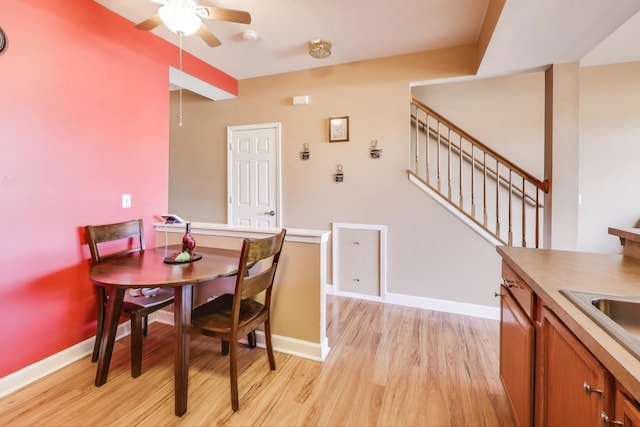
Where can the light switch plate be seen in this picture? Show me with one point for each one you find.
(126, 200)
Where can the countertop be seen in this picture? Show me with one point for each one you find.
(549, 271)
(631, 234)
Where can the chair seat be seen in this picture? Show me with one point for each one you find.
(215, 316)
(164, 296)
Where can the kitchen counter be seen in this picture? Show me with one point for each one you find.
(549, 271)
(629, 239)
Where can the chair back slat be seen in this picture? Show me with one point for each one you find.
(255, 252)
(259, 249)
(253, 285)
(129, 234)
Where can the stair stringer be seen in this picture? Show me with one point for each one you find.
(442, 201)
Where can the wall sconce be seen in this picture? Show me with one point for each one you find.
(304, 155)
(339, 175)
(374, 151)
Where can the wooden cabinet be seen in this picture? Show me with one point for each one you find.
(576, 388)
(549, 376)
(517, 336)
(627, 409)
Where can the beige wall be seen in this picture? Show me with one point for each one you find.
(430, 253)
(609, 153)
(505, 113)
(493, 110)
(296, 296)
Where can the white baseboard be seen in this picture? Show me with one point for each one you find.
(296, 347)
(44, 367)
(475, 310)
(466, 309)
(282, 344)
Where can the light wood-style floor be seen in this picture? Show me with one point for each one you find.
(389, 366)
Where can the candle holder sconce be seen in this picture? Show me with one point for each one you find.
(305, 154)
(339, 175)
(374, 151)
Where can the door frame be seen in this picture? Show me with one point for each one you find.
(278, 161)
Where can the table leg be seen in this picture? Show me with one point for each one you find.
(182, 319)
(115, 298)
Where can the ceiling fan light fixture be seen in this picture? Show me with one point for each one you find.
(179, 17)
(319, 48)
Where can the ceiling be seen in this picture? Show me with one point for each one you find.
(529, 35)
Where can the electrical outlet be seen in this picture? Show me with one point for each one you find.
(126, 200)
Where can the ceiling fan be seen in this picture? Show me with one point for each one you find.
(183, 17)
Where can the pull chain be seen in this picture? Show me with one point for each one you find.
(180, 33)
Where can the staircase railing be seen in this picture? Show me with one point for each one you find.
(484, 186)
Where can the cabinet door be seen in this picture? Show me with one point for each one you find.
(627, 410)
(516, 358)
(576, 387)
(359, 261)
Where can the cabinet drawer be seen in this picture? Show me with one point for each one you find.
(519, 289)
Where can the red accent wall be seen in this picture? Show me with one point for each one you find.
(84, 118)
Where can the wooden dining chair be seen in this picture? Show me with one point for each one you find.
(230, 317)
(111, 240)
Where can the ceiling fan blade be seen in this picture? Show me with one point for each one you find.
(230, 15)
(160, 1)
(150, 23)
(208, 36)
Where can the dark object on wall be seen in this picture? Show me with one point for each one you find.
(3, 41)
(339, 175)
(305, 152)
(375, 152)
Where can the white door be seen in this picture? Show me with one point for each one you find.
(253, 181)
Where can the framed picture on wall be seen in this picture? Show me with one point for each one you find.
(339, 129)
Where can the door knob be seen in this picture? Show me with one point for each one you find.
(270, 213)
(588, 389)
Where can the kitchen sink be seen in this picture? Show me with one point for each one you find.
(618, 315)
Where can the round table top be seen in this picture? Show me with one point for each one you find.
(148, 269)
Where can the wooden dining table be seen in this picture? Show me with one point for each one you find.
(148, 269)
